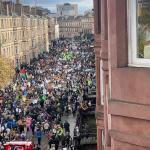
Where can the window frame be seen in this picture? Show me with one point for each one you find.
(133, 60)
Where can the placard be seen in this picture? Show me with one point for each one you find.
(30, 91)
(39, 106)
(34, 101)
(58, 93)
(17, 109)
(19, 122)
(50, 95)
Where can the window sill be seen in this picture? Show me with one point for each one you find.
(139, 65)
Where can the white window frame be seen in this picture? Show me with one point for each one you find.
(133, 60)
(101, 83)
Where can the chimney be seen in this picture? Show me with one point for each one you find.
(7, 10)
(26, 9)
(33, 11)
(1, 6)
(17, 1)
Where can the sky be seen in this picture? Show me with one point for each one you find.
(51, 4)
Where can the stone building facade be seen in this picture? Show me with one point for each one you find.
(122, 77)
(87, 23)
(23, 34)
(75, 26)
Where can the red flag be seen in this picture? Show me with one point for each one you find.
(43, 62)
(64, 48)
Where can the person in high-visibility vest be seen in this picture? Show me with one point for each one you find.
(60, 132)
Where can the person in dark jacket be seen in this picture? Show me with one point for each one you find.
(67, 125)
(67, 139)
(63, 141)
(50, 142)
(32, 126)
(37, 147)
(56, 142)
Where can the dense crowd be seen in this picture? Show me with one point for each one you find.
(54, 85)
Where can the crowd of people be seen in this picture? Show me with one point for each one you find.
(52, 86)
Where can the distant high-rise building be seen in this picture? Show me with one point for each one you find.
(67, 9)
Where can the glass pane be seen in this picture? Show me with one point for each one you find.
(143, 15)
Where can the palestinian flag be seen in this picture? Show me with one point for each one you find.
(27, 79)
(65, 49)
(23, 73)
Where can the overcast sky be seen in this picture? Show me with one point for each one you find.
(51, 4)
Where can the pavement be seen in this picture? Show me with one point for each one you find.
(44, 139)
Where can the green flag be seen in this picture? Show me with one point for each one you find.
(44, 98)
(17, 96)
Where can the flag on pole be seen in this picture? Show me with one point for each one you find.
(24, 99)
(43, 63)
(21, 79)
(44, 98)
(23, 73)
(27, 79)
(65, 49)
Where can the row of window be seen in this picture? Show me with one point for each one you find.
(9, 23)
(69, 23)
(87, 26)
(9, 37)
(87, 20)
(70, 29)
(8, 52)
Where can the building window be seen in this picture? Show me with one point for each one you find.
(22, 22)
(32, 44)
(139, 33)
(24, 46)
(25, 60)
(23, 34)
(14, 22)
(16, 63)
(15, 36)
(33, 54)
(16, 49)
(38, 23)
(39, 51)
(31, 23)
